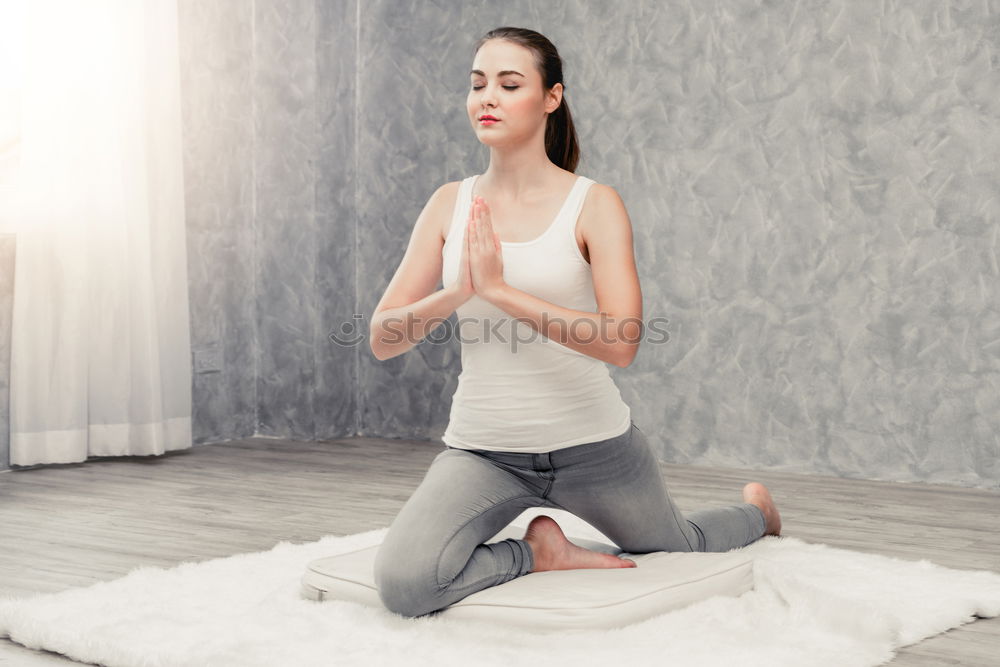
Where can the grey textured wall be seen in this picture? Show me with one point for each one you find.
(305, 60)
(812, 187)
(269, 170)
(216, 48)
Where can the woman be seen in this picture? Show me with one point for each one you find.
(525, 249)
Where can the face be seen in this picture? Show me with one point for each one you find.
(515, 97)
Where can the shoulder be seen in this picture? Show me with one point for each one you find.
(449, 188)
(445, 192)
(442, 204)
(603, 195)
(602, 207)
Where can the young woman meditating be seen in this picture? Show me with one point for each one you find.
(537, 262)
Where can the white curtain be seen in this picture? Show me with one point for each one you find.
(91, 184)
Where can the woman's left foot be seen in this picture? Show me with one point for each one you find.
(757, 494)
(551, 550)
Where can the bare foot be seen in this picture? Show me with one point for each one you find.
(757, 494)
(552, 551)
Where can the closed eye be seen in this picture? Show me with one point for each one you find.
(505, 87)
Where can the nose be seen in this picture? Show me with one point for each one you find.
(487, 98)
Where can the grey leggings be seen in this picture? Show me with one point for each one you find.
(433, 554)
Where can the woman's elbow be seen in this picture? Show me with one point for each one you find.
(385, 347)
(380, 352)
(626, 356)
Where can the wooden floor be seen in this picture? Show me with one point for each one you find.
(75, 524)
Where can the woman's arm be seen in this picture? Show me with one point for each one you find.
(410, 309)
(396, 330)
(614, 332)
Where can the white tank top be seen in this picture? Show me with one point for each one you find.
(518, 390)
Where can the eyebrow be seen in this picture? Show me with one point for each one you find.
(500, 73)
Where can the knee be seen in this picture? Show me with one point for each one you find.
(403, 587)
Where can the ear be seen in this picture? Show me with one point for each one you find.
(554, 98)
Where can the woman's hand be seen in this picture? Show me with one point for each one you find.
(464, 284)
(485, 256)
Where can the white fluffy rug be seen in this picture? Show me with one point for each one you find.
(813, 605)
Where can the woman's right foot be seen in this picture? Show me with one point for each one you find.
(757, 494)
(552, 551)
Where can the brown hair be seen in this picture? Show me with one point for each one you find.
(560, 136)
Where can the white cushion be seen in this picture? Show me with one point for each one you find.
(559, 599)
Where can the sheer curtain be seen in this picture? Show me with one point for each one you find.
(91, 184)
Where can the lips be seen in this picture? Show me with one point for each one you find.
(488, 117)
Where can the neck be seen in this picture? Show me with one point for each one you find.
(518, 172)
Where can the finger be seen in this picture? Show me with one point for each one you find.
(482, 233)
(473, 225)
(481, 214)
(485, 213)
(488, 228)
(485, 235)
